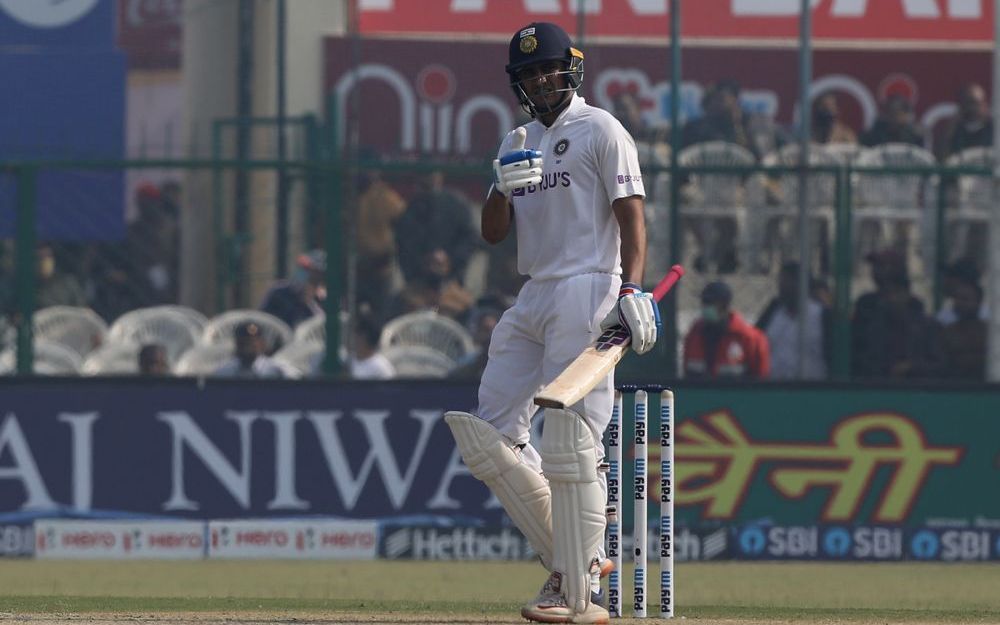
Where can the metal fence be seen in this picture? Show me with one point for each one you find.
(203, 238)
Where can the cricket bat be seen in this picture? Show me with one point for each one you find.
(590, 367)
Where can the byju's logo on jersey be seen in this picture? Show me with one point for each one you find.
(623, 178)
(549, 181)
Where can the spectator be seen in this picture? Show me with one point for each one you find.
(483, 319)
(972, 126)
(780, 322)
(300, 297)
(435, 219)
(826, 124)
(151, 247)
(56, 288)
(367, 362)
(965, 339)
(962, 271)
(887, 265)
(724, 119)
(433, 288)
(379, 206)
(628, 110)
(895, 124)
(249, 358)
(897, 339)
(153, 360)
(721, 344)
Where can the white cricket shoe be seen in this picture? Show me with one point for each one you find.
(550, 605)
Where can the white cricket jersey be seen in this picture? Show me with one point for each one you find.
(565, 225)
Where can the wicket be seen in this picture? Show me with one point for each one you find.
(640, 500)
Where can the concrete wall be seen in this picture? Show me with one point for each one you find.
(210, 91)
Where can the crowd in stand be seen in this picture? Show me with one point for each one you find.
(424, 252)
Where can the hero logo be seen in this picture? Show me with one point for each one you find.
(456, 544)
(47, 13)
(549, 181)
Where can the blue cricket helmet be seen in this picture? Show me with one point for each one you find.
(539, 42)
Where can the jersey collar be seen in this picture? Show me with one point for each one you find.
(575, 104)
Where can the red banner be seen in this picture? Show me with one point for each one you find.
(452, 97)
(910, 21)
(149, 32)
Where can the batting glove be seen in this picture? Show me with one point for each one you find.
(518, 168)
(638, 313)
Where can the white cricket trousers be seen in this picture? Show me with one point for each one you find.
(551, 323)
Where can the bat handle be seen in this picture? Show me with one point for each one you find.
(668, 282)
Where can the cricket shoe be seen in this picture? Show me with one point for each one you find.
(550, 605)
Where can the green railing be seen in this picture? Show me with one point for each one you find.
(325, 191)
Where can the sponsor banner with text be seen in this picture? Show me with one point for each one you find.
(119, 540)
(452, 98)
(293, 539)
(793, 455)
(866, 543)
(905, 22)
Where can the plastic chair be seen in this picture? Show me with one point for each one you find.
(112, 359)
(709, 197)
(303, 356)
(76, 327)
(418, 361)
(312, 330)
(203, 360)
(903, 202)
(51, 358)
(158, 324)
(219, 330)
(427, 328)
(197, 318)
(969, 210)
(774, 210)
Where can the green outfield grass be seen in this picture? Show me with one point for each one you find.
(746, 592)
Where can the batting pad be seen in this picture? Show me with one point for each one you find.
(569, 461)
(523, 492)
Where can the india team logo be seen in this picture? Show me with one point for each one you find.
(561, 147)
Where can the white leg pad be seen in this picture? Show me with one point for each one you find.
(522, 491)
(569, 461)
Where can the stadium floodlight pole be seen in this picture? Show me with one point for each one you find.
(805, 130)
(993, 273)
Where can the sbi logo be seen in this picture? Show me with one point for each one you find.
(925, 545)
(837, 542)
(753, 541)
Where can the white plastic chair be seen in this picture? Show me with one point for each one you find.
(972, 204)
(427, 328)
(774, 210)
(219, 330)
(418, 361)
(76, 327)
(197, 318)
(170, 328)
(708, 197)
(51, 358)
(312, 330)
(303, 356)
(203, 359)
(112, 359)
(657, 204)
(903, 202)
